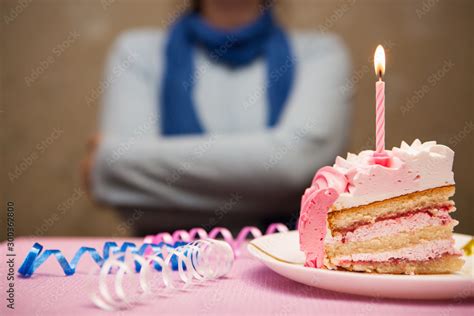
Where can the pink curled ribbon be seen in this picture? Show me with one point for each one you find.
(215, 233)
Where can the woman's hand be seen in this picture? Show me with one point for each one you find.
(87, 162)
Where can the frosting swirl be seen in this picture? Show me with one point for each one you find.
(326, 186)
(329, 177)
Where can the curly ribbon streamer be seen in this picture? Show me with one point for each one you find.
(35, 257)
(200, 233)
(152, 244)
(197, 262)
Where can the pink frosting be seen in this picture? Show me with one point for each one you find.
(329, 177)
(410, 168)
(424, 251)
(315, 203)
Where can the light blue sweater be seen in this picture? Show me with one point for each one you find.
(238, 155)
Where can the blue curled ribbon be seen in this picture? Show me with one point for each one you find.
(35, 257)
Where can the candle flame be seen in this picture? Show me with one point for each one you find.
(379, 61)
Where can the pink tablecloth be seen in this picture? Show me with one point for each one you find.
(250, 289)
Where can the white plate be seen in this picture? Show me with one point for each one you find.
(280, 252)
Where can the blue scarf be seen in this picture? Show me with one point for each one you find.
(236, 48)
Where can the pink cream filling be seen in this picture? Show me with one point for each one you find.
(396, 225)
(420, 252)
(431, 209)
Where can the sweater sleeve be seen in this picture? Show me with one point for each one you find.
(264, 168)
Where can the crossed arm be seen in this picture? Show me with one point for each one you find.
(134, 166)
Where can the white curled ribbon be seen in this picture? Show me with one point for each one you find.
(199, 261)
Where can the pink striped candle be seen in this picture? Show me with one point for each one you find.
(380, 116)
(379, 64)
(380, 155)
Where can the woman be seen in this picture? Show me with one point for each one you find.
(222, 120)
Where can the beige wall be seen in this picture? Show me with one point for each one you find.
(66, 41)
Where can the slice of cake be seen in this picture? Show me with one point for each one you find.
(388, 215)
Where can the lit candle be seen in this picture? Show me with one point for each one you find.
(379, 64)
(380, 155)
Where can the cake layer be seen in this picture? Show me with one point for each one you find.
(421, 251)
(389, 243)
(349, 219)
(443, 264)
